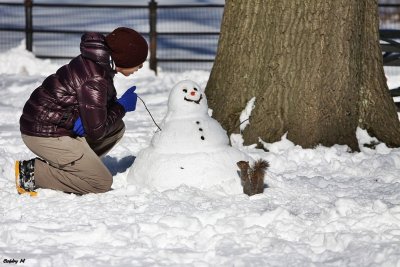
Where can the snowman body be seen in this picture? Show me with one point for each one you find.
(191, 149)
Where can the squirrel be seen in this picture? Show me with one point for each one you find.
(253, 177)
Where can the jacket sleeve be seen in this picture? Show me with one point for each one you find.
(98, 116)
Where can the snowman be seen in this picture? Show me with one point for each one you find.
(190, 149)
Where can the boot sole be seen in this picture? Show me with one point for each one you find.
(20, 190)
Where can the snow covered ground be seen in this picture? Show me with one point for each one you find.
(323, 206)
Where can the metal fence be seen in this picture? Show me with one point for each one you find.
(180, 36)
(389, 14)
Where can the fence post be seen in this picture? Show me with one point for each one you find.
(28, 24)
(153, 35)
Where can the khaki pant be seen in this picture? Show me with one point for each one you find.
(72, 165)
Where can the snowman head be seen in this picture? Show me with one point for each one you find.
(187, 98)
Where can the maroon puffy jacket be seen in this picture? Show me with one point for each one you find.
(84, 88)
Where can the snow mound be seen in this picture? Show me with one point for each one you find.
(20, 61)
(323, 206)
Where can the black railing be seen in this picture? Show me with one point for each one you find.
(168, 43)
(390, 47)
(192, 41)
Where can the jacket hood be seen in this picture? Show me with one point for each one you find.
(94, 47)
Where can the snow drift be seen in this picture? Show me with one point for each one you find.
(322, 207)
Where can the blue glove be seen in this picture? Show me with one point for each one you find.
(128, 99)
(78, 127)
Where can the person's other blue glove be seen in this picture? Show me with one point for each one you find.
(79, 130)
(128, 99)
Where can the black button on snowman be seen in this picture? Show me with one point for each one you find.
(201, 130)
(194, 96)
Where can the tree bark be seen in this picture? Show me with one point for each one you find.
(315, 68)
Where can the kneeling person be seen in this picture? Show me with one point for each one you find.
(75, 117)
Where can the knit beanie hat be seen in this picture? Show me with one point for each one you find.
(128, 48)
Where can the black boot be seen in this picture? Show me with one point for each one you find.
(25, 176)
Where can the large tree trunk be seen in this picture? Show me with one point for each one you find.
(315, 68)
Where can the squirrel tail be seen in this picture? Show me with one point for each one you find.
(260, 166)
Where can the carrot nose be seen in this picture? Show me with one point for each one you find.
(192, 93)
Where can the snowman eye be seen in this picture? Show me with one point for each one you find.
(184, 90)
(195, 89)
